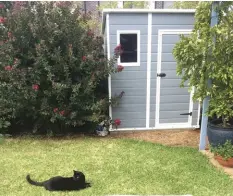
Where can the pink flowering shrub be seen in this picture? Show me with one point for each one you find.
(52, 69)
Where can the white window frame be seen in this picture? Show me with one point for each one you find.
(119, 32)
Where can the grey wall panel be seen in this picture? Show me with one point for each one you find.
(152, 120)
(133, 100)
(130, 108)
(195, 105)
(128, 84)
(170, 85)
(167, 57)
(168, 66)
(174, 99)
(154, 57)
(154, 47)
(170, 74)
(173, 91)
(173, 115)
(132, 80)
(170, 19)
(131, 92)
(152, 102)
(128, 19)
(176, 107)
(133, 123)
(124, 75)
(194, 122)
(170, 40)
(172, 120)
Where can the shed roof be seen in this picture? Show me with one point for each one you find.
(171, 11)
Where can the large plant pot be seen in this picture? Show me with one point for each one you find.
(217, 134)
(225, 163)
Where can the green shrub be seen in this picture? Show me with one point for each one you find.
(225, 150)
(207, 54)
(52, 68)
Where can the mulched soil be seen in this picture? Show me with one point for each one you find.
(180, 137)
(167, 137)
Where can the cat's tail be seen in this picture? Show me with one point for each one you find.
(34, 182)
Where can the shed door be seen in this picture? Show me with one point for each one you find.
(174, 104)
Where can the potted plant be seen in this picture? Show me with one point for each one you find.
(223, 153)
(204, 60)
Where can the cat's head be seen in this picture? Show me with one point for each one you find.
(78, 175)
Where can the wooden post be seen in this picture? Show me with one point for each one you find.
(204, 120)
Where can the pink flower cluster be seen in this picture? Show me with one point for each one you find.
(2, 5)
(117, 122)
(18, 5)
(8, 68)
(118, 50)
(2, 19)
(62, 113)
(9, 34)
(84, 58)
(120, 68)
(62, 4)
(35, 87)
(90, 33)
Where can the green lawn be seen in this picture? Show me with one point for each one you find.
(114, 166)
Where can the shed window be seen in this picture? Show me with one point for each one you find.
(130, 44)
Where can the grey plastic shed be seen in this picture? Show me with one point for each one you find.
(153, 98)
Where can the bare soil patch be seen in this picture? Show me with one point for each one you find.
(166, 137)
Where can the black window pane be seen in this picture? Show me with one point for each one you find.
(129, 44)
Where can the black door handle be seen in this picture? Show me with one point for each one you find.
(190, 114)
(161, 74)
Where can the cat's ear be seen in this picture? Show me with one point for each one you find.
(75, 171)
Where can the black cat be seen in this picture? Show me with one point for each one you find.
(59, 183)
